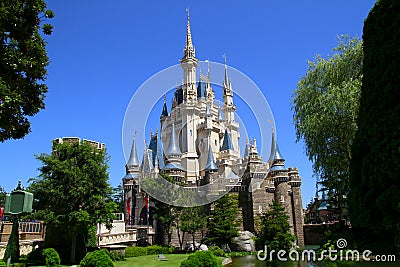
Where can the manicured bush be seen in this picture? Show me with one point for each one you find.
(116, 256)
(51, 257)
(36, 257)
(98, 258)
(201, 259)
(150, 250)
(157, 249)
(135, 251)
(217, 251)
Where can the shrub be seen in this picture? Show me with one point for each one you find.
(98, 258)
(201, 259)
(36, 256)
(51, 257)
(156, 249)
(135, 251)
(217, 251)
(116, 256)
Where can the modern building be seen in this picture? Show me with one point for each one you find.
(201, 141)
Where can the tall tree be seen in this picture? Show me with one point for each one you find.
(72, 191)
(374, 199)
(24, 60)
(223, 222)
(192, 220)
(275, 229)
(325, 106)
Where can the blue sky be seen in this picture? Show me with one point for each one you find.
(102, 51)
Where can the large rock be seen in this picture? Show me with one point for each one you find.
(203, 247)
(244, 242)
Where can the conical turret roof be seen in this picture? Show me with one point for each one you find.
(173, 147)
(211, 165)
(133, 158)
(227, 143)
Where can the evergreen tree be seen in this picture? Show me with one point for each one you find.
(73, 194)
(3, 195)
(275, 229)
(374, 199)
(223, 222)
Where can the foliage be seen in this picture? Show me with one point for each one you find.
(223, 222)
(3, 195)
(135, 251)
(201, 259)
(23, 64)
(192, 220)
(157, 249)
(325, 106)
(72, 192)
(150, 250)
(275, 229)
(374, 199)
(36, 256)
(51, 257)
(116, 256)
(118, 197)
(97, 258)
(217, 251)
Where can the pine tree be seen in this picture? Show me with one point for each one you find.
(275, 229)
(223, 222)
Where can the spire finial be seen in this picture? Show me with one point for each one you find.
(226, 78)
(189, 49)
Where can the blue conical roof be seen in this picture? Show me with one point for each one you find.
(227, 143)
(133, 158)
(275, 153)
(164, 112)
(173, 147)
(211, 165)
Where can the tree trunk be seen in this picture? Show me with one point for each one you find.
(73, 248)
(179, 238)
(194, 245)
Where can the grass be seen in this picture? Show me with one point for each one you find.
(174, 260)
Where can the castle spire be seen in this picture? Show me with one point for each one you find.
(227, 143)
(275, 153)
(228, 108)
(133, 158)
(211, 165)
(173, 147)
(189, 51)
(164, 112)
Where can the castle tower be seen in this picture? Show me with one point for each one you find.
(173, 154)
(189, 110)
(131, 184)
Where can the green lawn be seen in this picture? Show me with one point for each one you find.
(174, 260)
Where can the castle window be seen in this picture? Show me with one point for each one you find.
(260, 209)
(190, 132)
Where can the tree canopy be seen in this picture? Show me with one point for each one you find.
(73, 191)
(223, 222)
(325, 106)
(23, 64)
(374, 199)
(275, 229)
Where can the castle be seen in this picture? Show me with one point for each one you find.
(201, 142)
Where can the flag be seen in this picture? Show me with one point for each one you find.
(128, 206)
(1, 213)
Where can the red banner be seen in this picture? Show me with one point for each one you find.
(128, 206)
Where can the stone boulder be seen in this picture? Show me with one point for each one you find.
(203, 247)
(244, 242)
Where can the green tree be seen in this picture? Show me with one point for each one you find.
(72, 192)
(3, 195)
(275, 229)
(223, 222)
(192, 220)
(374, 199)
(118, 197)
(325, 106)
(23, 64)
